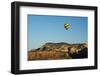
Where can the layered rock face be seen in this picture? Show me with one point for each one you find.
(50, 51)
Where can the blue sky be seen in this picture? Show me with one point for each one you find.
(43, 29)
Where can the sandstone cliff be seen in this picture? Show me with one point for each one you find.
(59, 51)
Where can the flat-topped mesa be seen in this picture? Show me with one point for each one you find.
(59, 51)
(62, 46)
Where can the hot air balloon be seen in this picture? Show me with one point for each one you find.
(66, 26)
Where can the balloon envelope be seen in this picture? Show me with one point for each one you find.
(66, 26)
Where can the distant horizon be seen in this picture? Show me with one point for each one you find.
(57, 43)
(50, 29)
